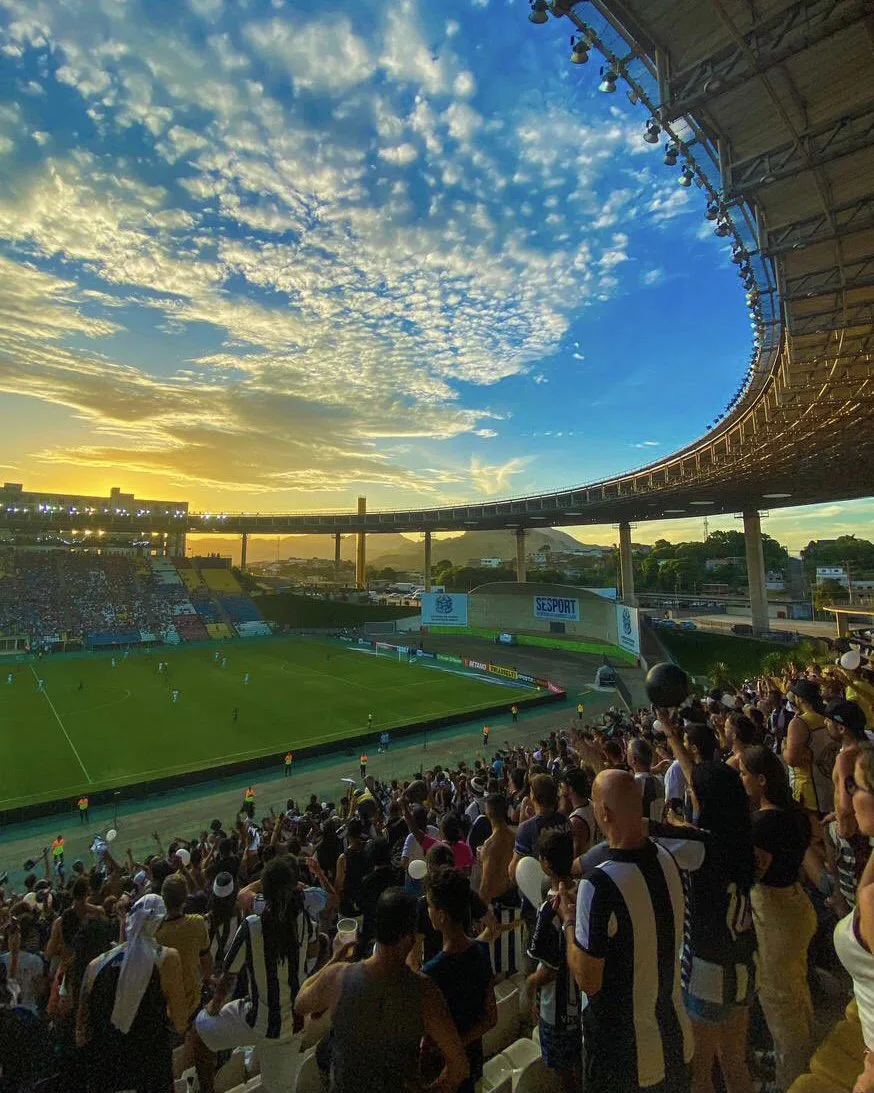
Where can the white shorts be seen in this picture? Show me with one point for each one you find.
(279, 1059)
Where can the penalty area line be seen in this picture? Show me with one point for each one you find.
(63, 729)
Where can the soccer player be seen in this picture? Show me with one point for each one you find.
(81, 686)
(246, 678)
(113, 662)
(9, 679)
(224, 662)
(40, 686)
(289, 759)
(174, 696)
(216, 656)
(370, 721)
(485, 736)
(236, 715)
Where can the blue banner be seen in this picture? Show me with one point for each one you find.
(444, 609)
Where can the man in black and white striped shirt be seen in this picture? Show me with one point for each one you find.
(627, 922)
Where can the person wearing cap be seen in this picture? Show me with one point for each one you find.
(807, 751)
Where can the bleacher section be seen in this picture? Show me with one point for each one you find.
(106, 600)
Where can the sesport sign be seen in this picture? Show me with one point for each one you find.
(557, 608)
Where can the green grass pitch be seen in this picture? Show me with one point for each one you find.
(121, 726)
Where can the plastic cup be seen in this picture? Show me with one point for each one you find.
(347, 931)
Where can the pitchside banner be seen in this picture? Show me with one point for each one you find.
(628, 629)
(557, 608)
(444, 609)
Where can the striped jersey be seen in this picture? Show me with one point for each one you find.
(560, 1004)
(630, 912)
(273, 986)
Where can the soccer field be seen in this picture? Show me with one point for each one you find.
(96, 727)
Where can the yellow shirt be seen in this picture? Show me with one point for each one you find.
(801, 778)
(189, 936)
(862, 692)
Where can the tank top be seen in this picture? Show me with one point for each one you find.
(378, 1025)
(860, 965)
(811, 785)
(587, 814)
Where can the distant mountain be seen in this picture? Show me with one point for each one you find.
(385, 550)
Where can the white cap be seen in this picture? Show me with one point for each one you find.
(183, 857)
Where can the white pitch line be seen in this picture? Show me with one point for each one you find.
(61, 723)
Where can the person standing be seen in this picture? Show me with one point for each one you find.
(559, 1004)
(289, 759)
(854, 934)
(83, 809)
(485, 736)
(235, 715)
(380, 1009)
(274, 947)
(462, 969)
(807, 741)
(580, 711)
(58, 853)
(544, 798)
(514, 712)
(249, 802)
(362, 764)
(627, 924)
(126, 997)
(495, 890)
(783, 915)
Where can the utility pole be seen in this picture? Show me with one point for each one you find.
(849, 582)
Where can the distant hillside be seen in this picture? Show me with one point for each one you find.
(385, 550)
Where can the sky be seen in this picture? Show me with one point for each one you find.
(262, 255)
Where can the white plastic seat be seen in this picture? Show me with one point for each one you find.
(232, 1074)
(497, 1074)
(521, 1053)
(504, 987)
(309, 1079)
(507, 1028)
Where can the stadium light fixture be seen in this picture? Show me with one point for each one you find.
(686, 176)
(672, 153)
(712, 210)
(579, 51)
(652, 132)
(538, 13)
(608, 81)
(722, 229)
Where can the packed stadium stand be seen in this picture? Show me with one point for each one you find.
(56, 596)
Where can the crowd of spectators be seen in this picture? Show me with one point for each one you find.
(45, 595)
(690, 867)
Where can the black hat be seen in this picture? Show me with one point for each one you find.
(846, 713)
(807, 691)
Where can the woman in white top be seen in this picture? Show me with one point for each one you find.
(854, 934)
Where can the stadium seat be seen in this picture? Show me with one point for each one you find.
(497, 1074)
(309, 1078)
(507, 1028)
(530, 1073)
(232, 1074)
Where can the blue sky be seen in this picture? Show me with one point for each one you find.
(269, 255)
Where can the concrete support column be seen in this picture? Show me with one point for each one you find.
(521, 573)
(842, 624)
(244, 545)
(756, 569)
(626, 564)
(336, 557)
(360, 553)
(427, 563)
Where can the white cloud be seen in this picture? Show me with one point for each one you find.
(647, 444)
(496, 478)
(401, 154)
(464, 85)
(653, 276)
(324, 56)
